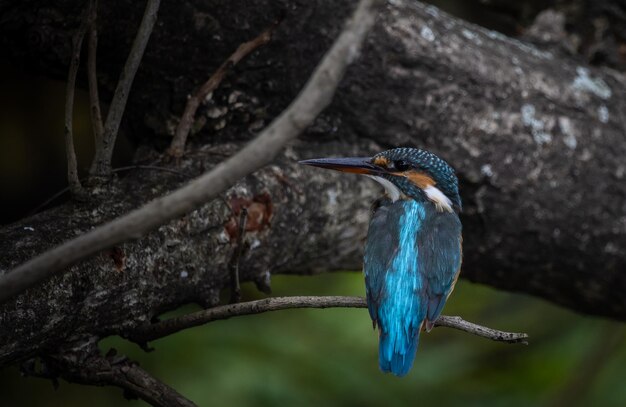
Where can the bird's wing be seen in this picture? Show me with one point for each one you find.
(380, 249)
(439, 247)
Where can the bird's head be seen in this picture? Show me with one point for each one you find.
(405, 173)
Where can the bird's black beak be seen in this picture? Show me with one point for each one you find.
(356, 165)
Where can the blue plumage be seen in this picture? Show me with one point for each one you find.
(410, 267)
(392, 280)
(413, 250)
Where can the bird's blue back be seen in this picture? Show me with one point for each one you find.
(412, 259)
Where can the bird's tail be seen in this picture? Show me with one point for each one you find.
(397, 348)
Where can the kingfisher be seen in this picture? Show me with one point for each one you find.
(413, 251)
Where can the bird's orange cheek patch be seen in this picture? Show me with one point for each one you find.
(420, 179)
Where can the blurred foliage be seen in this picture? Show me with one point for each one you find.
(328, 357)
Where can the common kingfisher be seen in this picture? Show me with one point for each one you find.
(413, 251)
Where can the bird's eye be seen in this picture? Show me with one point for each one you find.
(401, 165)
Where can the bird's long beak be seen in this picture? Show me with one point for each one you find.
(356, 165)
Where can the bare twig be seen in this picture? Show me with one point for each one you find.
(94, 99)
(177, 148)
(173, 325)
(482, 331)
(49, 201)
(315, 96)
(101, 166)
(77, 43)
(235, 295)
(150, 167)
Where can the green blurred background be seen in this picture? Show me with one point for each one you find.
(316, 357)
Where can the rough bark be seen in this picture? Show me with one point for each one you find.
(537, 139)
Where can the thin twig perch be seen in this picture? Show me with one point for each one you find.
(177, 147)
(101, 166)
(169, 326)
(315, 96)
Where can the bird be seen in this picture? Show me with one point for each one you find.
(413, 250)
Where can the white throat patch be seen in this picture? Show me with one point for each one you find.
(434, 194)
(392, 190)
(441, 201)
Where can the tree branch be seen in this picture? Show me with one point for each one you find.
(77, 43)
(94, 98)
(315, 96)
(170, 326)
(101, 166)
(84, 364)
(177, 147)
(142, 384)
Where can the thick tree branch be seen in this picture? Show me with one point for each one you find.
(101, 166)
(161, 329)
(177, 147)
(315, 96)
